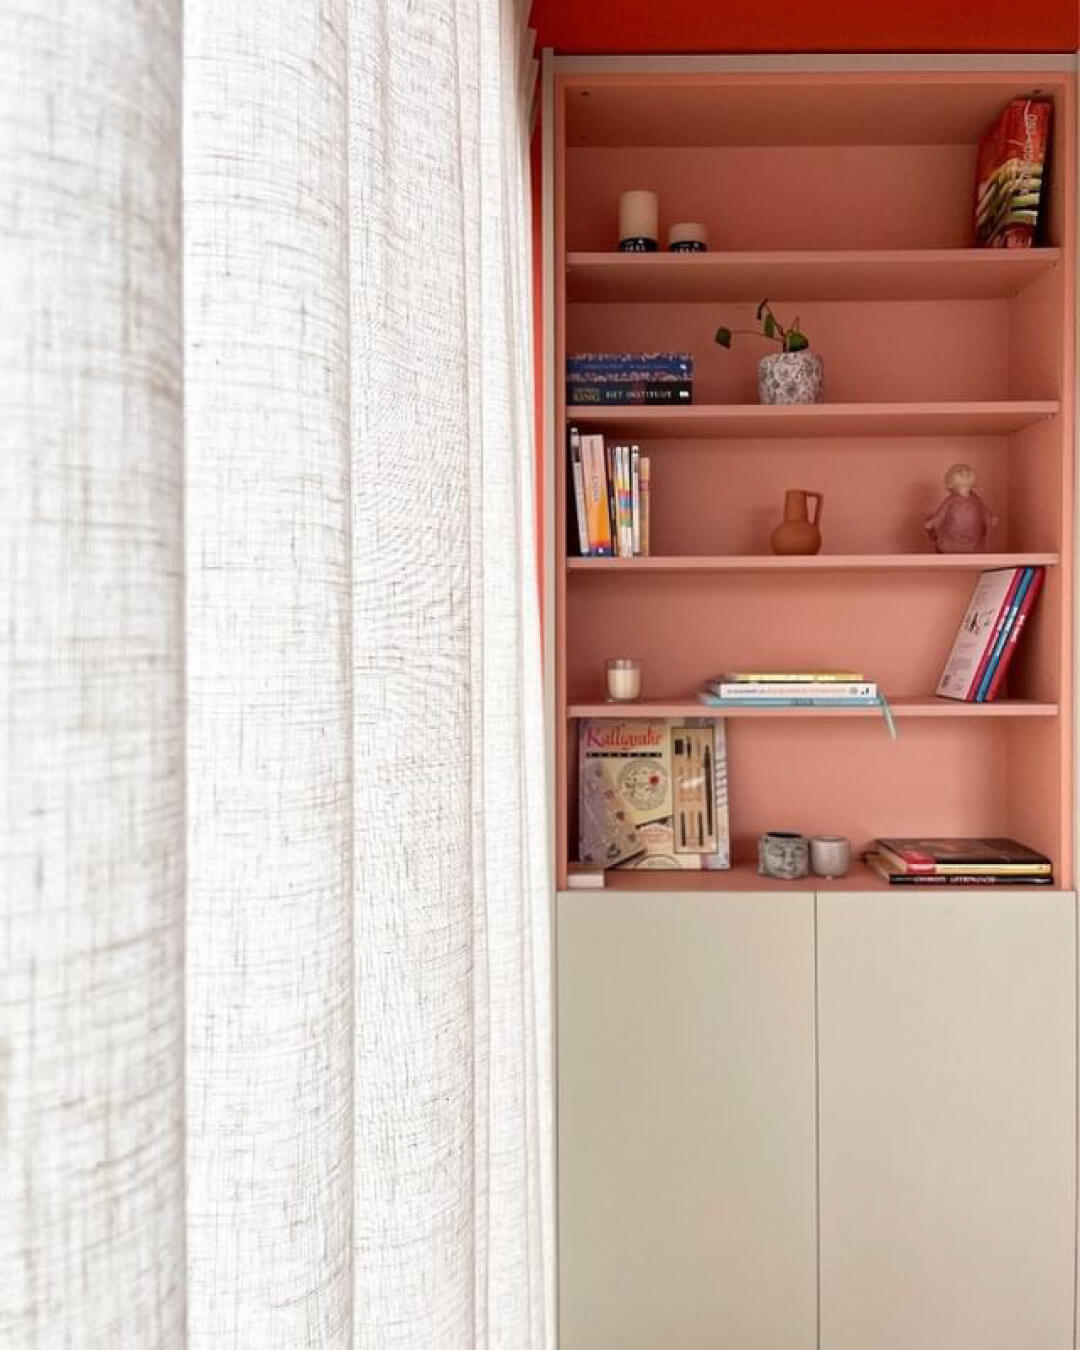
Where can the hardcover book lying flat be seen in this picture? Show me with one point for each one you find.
(653, 794)
(879, 864)
(959, 860)
(629, 377)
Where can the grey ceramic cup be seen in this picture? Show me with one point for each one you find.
(830, 855)
(783, 854)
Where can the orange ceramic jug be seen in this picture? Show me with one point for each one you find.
(797, 533)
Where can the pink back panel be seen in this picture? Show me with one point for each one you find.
(725, 497)
(850, 196)
(760, 109)
(938, 777)
(1035, 796)
(898, 351)
(897, 627)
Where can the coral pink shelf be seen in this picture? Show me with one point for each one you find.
(819, 419)
(835, 562)
(827, 274)
(902, 707)
(744, 877)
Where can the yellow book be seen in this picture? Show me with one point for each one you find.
(646, 507)
(795, 676)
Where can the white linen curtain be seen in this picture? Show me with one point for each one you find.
(270, 682)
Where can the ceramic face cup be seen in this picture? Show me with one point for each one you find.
(783, 854)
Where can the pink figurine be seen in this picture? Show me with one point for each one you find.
(963, 520)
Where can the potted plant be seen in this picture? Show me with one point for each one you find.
(791, 375)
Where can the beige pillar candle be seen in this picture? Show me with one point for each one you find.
(688, 236)
(639, 221)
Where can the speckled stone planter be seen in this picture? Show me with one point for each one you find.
(791, 377)
(783, 854)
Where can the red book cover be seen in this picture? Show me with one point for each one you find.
(1009, 650)
(1009, 177)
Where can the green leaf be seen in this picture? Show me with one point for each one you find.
(761, 309)
(796, 341)
(723, 337)
(770, 325)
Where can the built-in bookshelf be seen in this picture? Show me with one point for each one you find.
(852, 209)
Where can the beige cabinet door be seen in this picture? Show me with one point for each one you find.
(947, 1061)
(686, 1121)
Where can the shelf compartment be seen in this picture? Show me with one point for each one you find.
(860, 108)
(901, 707)
(821, 274)
(837, 562)
(744, 877)
(717, 420)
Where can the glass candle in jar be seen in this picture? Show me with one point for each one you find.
(623, 679)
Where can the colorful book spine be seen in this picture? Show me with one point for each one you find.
(646, 506)
(715, 701)
(612, 494)
(991, 665)
(635, 497)
(596, 501)
(616, 498)
(612, 507)
(627, 504)
(577, 479)
(997, 679)
(886, 873)
(790, 677)
(779, 689)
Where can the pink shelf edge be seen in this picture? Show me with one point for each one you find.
(743, 876)
(821, 562)
(1019, 258)
(1017, 410)
(932, 273)
(902, 707)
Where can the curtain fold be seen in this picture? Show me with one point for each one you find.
(453, 1224)
(91, 678)
(270, 689)
(270, 790)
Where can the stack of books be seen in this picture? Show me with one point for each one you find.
(959, 862)
(620, 378)
(791, 689)
(989, 631)
(612, 497)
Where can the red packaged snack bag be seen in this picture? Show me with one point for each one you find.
(1009, 178)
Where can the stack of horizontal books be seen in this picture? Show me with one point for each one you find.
(791, 689)
(622, 378)
(959, 862)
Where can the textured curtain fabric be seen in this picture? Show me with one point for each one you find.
(91, 678)
(326, 1123)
